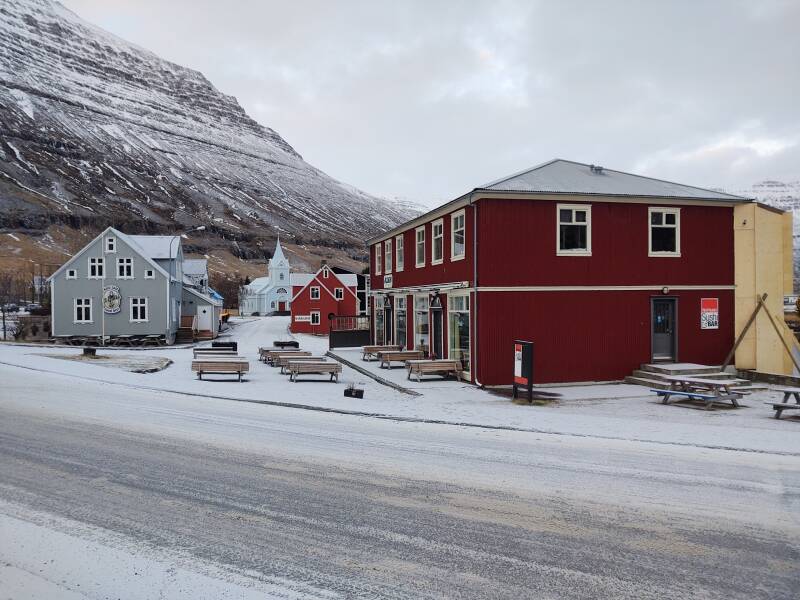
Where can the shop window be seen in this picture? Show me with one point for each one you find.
(458, 329)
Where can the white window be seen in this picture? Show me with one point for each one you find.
(315, 317)
(399, 253)
(338, 293)
(458, 329)
(420, 246)
(378, 259)
(574, 230)
(437, 246)
(124, 268)
(111, 244)
(96, 268)
(664, 237)
(315, 293)
(138, 310)
(280, 277)
(458, 242)
(83, 310)
(72, 274)
(272, 304)
(325, 272)
(149, 274)
(387, 256)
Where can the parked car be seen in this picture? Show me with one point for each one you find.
(10, 307)
(33, 306)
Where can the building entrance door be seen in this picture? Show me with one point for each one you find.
(282, 306)
(388, 326)
(203, 318)
(436, 337)
(664, 332)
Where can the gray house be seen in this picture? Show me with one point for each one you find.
(118, 284)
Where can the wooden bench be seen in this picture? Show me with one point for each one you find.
(284, 360)
(122, 340)
(788, 392)
(299, 367)
(443, 367)
(265, 353)
(286, 344)
(214, 352)
(387, 357)
(153, 340)
(370, 352)
(220, 366)
(272, 357)
(708, 399)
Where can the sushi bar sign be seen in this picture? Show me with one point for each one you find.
(709, 313)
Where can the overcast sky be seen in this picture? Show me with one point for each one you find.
(426, 100)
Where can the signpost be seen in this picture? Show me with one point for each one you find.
(523, 367)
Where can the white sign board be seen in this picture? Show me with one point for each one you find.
(302, 318)
(387, 281)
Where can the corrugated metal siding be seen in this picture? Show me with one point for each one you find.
(590, 336)
(517, 246)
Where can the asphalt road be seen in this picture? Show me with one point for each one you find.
(363, 508)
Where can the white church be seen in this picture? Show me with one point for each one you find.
(273, 293)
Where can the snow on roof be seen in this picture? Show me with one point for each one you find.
(300, 279)
(157, 246)
(349, 279)
(569, 177)
(195, 266)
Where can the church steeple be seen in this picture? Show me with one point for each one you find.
(278, 266)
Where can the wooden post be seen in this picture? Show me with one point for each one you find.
(780, 336)
(739, 339)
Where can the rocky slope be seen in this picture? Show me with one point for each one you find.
(96, 131)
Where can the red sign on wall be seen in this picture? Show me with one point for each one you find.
(709, 313)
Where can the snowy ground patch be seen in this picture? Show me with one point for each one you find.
(135, 363)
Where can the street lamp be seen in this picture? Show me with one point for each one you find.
(171, 262)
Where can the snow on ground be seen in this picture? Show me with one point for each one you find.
(605, 411)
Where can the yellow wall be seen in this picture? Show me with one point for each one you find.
(763, 264)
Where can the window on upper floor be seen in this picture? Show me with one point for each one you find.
(664, 232)
(399, 253)
(574, 230)
(124, 268)
(315, 293)
(378, 259)
(457, 235)
(338, 293)
(437, 245)
(96, 268)
(72, 273)
(325, 272)
(111, 244)
(420, 246)
(281, 276)
(387, 256)
(149, 274)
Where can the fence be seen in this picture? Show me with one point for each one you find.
(348, 331)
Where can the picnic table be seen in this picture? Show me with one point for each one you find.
(788, 392)
(441, 366)
(283, 361)
(122, 340)
(387, 357)
(265, 352)
(367, 352)
(220, 366)
(705, 389)
(153, 340)
(214, 352)
(298, 367)
(274, 355)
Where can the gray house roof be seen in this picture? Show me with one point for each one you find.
(157, 246)
(560, 176)
(195, 266)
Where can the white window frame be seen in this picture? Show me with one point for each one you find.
(149, 274)
(84, 305)
(121, 263)
(72, 274)
(378, 258)
(677, 227)
(139, 305)
(453, 256)
(98, 262)
(315, 313)
(312, 290)
(573, 207)
(417, 243)
(110, 245)
(338, 293)
(399, 253)
(439, 223)
(467, 368)
(387, 256)
(325, 272)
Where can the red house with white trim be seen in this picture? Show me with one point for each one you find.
(315, 298)
(602, 270)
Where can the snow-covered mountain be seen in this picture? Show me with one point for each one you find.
(780, 194)
(95, 130)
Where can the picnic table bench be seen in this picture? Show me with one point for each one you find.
(220, 366)
(708, 399)
(369, 352)
(216, 352)
(153, 340)
(265, 352)
(273, 356)
(283, 361)
(122, 340)
(698, 384)
(299, 367)
(442, 366)
(387, 357)
(788, 392)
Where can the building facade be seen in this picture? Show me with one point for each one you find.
(319, 296)
(270, 294)
(601, 270)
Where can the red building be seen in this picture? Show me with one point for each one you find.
(601, 270)
(316, 297)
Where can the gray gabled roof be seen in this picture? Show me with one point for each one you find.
(560, 176)
(195, 266)
(158, 246)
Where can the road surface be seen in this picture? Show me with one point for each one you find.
(300, 503)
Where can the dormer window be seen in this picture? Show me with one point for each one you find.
(111, 244)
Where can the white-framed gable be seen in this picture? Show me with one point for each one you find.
(318, 278)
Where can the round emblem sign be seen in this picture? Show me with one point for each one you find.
(112, 300)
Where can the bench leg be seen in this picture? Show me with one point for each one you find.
(778, 412)
(200, 375)
(240, 377)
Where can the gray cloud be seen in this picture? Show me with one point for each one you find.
(425, 100)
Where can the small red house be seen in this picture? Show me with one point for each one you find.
(315, 298)
(602, 270)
